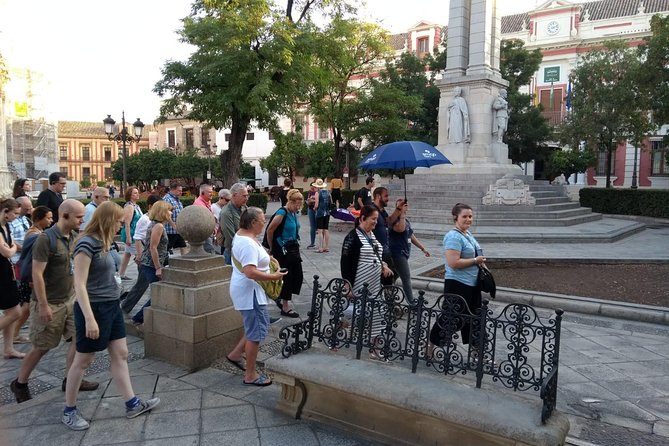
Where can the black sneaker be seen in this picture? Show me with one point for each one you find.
(22, 394)
(274, 320)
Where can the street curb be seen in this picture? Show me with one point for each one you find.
(576, 304)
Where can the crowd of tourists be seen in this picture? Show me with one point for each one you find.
(62, 265)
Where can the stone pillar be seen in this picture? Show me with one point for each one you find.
(191, 321)
(473, 65)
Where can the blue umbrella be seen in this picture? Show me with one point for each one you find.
(402, 155)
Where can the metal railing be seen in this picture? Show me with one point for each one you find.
(519, 350)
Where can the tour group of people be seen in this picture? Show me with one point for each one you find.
(74, 291)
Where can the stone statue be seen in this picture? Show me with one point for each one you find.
(458, 119)
(500, 115)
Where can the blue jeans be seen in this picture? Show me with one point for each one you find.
(150, 275)
(228, 256)
(137, 291)
(403, 270)
(312, 225)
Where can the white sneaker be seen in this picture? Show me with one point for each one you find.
(142, 407)
(75, 421)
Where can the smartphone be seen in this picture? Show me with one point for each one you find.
(283, 270)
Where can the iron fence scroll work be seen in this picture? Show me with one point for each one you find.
(515, 347)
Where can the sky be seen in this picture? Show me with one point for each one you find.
(105, 60)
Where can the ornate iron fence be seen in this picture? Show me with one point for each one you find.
(514, 347)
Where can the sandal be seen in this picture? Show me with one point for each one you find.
(260, 381)
(21, 339)
(239, 364)
(289, 313)
(14, 355)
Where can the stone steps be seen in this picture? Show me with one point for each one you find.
(598, 231)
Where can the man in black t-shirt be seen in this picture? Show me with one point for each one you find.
(364, 195)
(52, 197)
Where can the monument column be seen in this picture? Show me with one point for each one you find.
(473, 66)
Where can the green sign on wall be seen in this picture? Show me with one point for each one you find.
(552, 74)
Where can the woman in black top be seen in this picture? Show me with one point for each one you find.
(9, 298)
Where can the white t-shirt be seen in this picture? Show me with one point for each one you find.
(248, 252)
(216, 210)
(141, 227)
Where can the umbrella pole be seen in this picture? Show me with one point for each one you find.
(405, 181)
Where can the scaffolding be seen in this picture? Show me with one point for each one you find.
(32, 140)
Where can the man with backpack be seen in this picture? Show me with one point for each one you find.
(53, 296)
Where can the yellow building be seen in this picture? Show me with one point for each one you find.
(84, 151)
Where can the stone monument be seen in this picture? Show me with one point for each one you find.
(191, 321)
(472, 78)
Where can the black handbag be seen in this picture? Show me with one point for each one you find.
(486, 281)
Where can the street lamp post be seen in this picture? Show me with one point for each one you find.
(123, 137)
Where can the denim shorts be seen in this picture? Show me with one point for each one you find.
(256, 321)
(110, 323)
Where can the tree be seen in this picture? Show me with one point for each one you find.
(287, 155)
(527, 129)
(404, 102)
(249, 65)
(319, 160)
(654, 75)
(608, 104)
(568, 162)
(347, 51)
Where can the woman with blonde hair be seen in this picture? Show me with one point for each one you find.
(155, 254)
(283, 236)
(97, 315)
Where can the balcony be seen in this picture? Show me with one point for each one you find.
(554, 118)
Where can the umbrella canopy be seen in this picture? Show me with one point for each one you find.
(401, 155)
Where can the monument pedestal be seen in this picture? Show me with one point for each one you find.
(191, 321)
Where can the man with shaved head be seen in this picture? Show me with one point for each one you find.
(51, 305)
(100, 195)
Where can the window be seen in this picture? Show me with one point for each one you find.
(204, 137)
(63, 152)
(250, 136)
(227, 137)
(601, 162)
(86, 153)
(86, 172)
(659, 158)
(142, 148)
(171, 139)
(188, 135)
(108, 152)
(271, 137)
(423, 45)
(322, 133)
(108, 173)
(63, 170)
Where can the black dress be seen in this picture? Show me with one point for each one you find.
(9, 298)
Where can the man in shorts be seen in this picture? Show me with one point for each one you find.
(175, 240)
(52, 299)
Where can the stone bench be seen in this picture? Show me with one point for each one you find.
(392, 405)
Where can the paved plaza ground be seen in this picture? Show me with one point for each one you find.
(613, 379)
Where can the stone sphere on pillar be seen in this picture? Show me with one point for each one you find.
(195, 224)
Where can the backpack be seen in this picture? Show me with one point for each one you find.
(25, 262)
(277, 231)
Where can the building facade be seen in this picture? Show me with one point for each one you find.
(563, 31)
(85, 152)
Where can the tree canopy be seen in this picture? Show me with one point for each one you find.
(608, 101)
(250, 64)
(527, 130)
